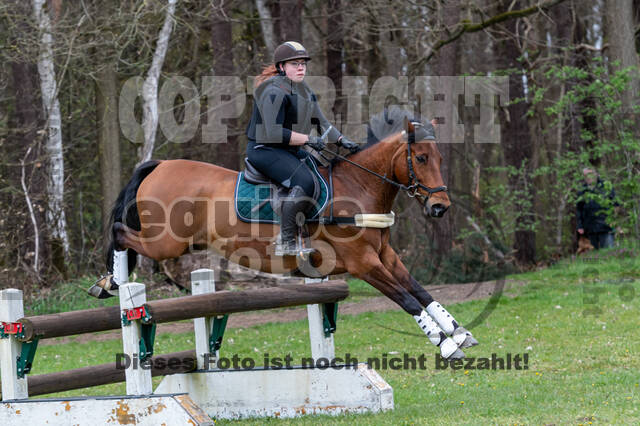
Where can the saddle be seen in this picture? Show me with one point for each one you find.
(259, 199)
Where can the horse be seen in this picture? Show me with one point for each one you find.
(170, 207)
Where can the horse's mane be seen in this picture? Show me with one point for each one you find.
(390, 121)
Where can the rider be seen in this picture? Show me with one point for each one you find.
(284, 113)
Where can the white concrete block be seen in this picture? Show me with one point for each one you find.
(234, 394)
(152, 410)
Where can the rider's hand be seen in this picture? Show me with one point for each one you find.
(316, 143)
(346, 143)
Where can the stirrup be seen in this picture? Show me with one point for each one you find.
(292, 248)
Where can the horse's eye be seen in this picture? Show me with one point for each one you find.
(421, 158)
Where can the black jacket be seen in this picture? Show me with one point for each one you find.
(281, 106)
(589, 214)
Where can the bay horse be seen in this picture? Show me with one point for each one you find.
(169, 207)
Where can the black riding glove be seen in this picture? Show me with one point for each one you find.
(316, 143)
(346, 143)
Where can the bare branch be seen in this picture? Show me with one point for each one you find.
(36, 263)
(468, 27)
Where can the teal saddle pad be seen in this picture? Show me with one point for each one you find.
(252, 205)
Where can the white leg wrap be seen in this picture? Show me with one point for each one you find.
(444, 319)
(120, 267)
(435, 334)
(430, 328)
(448, 348)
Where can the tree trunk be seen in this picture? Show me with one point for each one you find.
(150, 86)
(335, 45)
(620, 35)
(222, 42)
(108, 138)
(446, 66)
(291, 20)
(374, 61)
(568, 127)
(26, 120)
(266, 24)
(55, 215)
(516, 140)
(636, 23)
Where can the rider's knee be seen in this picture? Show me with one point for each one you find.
(307, 184)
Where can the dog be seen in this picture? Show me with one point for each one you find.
(584, 245)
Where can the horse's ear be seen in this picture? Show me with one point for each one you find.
(434, 122)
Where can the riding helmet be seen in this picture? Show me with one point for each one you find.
(290, 50)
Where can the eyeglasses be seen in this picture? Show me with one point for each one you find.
(302, 64)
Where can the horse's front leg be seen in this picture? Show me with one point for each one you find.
(370, 269)
(435, 310)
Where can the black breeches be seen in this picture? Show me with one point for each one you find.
(282, 166)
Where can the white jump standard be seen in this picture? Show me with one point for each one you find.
(18, 410)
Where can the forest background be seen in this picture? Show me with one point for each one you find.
(571, 68)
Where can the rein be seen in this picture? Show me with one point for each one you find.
(413, 185)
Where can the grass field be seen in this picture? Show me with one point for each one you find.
(577, 321)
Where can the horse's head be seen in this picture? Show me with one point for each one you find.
(417, 165)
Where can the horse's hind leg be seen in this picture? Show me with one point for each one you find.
(127, 238)
(444, 319)
(123, 238)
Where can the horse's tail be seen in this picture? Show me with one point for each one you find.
(125, 211)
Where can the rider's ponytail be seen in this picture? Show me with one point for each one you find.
(267, 72)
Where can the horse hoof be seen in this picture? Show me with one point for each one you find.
(469, 342)
(463, 338)
(449, 350)
(99, 292)
(458, 354)
(104, 287)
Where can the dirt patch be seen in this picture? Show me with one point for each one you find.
(446, 294)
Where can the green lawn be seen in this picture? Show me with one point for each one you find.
(577, 321)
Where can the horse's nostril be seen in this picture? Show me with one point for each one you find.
(438, 210)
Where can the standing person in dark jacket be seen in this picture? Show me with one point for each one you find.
(284, 113)
(591, 219)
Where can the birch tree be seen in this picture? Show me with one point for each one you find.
(266, 24)
(150, 85)
(55, 216)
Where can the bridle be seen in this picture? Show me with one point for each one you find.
(414, 183)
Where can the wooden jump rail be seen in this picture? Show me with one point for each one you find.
(182, 308)
(213, 390)
(104, 374)
(161, 311)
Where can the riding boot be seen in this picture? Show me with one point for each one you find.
(294, 210)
